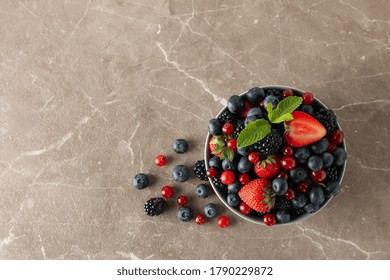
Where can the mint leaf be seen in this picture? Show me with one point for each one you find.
(270, 111)
(229, 154)
(284, 109)
(253, 132)
(283, 118)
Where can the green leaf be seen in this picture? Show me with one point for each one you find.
(217, 140)
(218, 149)
(283, 118)
(230, 154)
(253, 132)
(284, 109)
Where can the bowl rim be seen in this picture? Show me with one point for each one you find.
(252, 218)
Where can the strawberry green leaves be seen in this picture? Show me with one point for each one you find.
(221, 148)
(253, 132)
(284, 109)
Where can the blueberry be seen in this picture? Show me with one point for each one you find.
(311, 208)
(185, 213)
(250, 119)
(228, 165)
(327, 159)
(255, 112)
(180, 146)
(235, 104)
(283, 216)
(234, 187)
(308, 109)
(298, 174)
(300, 200)
(215, 162)
(255, 95)
(215, 127)
(202, 190)
(316, 195)
(210, 210)
(244, 165)
(233, 199)
(280, 186)
(302, 154)
(314, 163)
(245, 151)
(140, 181)
(339, 156)
(271, 99)
(180, 173)
(320, 146)
(332, 188)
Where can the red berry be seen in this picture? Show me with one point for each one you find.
(245, 209)
(200, 219)
(212, 172)
(253, 157)
(303, 187)
(318, 176)
(161, 160)
(288, 151)
(282, 174)
(244, 178)
(232, 144)
(290, 194)
(182, 200)
(223, 221)
(287, 93)
(227, 177)
(167, 191)
(269, 219)
(261, 105)
(331, 147)
(228, 128)
(307, 98)
(288, 162)
(337, 137)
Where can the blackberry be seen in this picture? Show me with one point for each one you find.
(155, 206)
(332, 174)
(217, 182)
(327, 118)
(239, 127)
(200, 170)
(281, 204)
(298, 211)
(273, 92)
(227, 116)
(270, 144)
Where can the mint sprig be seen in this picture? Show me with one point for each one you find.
(221, 148)
(284, 109)
(253, 132)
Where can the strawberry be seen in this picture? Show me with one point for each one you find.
(303, 130)
(258, 195)
(213, 147)
(268, 168)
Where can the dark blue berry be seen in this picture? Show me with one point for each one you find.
(180, 173)
(298, 174)
(271, 99)
(235, 104)
(215, 127)
(250, 119)
(327, 160)
(202, 190)
(332, 188)
(255, 95)
(234, 188)
(244, 165)
(308, 109)
(300, 200)
(185, 213)
(283, 216)
(280, 186)
(314, 163)
(140, 181)
(215, 162)
(302, 154)
(320, 146)
(233, 199)
(229, 165)
(311, 208)
(180, 146)
(316, 195)
(339, 156)
(245, 151)
(211, 210)
(255, 112)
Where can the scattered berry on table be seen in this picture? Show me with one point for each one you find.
(227, 177)
(307, 98)
(211, 210)
(200, 219)
(212, 172)
(244, 178)
(200, 168)
(155, 206)
(258, 195)
(223, 222)
(245, 209)
(185, 213)
(161, 160)
(202, 190)
(228, 128)
(180, 146)
(269, 219)
(180, 173)
(167, 191)
(140, 181)
(182, 200)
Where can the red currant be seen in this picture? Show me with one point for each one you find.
(331, 147)
(227, 177)
(212, 172)
(288, 162)
(282, 174)
(161, 160)
(232, 144)
(244, 178)
(200, 219)
(245, 209)
(261, 105)
(307, 98)
(303, 187)
(228, 128)
(167, 191)
(287, 151)
(269, 219)
(287, 93)
(318, 176)
(223, 221)
(253, 157)
(182, 200)
(337, 137)
(290, 194)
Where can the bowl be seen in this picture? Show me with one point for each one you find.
(222, 194)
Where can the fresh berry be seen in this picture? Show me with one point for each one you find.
(217, 183)
(239, 127)
(253, 157)
(223, 222)
(279, 186)
(288, 162)
(271, 99)
(290, 194)
(235, 104)
(227, 177)
(269, 145)
(182, 200)
(269, 219)
(212, 147)
(211, 210)
(287, 151)
(258, 195)
(316, 195)
(140, 181)
(261, 104)
(311, 208)
(245, 151)
(234, 187)
(250, 119)
(245, 209)
(185, 214)
(303, 187)
(244, 165)
(212, 172)
(247, 107)
(267, 168)
(244, 178)
(180, 146)
(155, 206)
(255, 95)
(287, 93)
(327, 159)
(232, 144)
(332, 174)
(339, 156)
(227, 116)
(302, 154)
(318, 176)
(215, 127)
(308, 109)
(200, 169)
(327, 118)
(214, 162)
(303, 130)
(299, 200)
(307, 98)
(229, 165)
(332, 188)
(180, 173)
(298, 174)
(282, 174)
(332, 147)
(282, 204)
(273, 92)
(167, 191)
(255, 112)
(228, 128)
(283, 216)
(200, 219)
(202, 190)
(320, 146)
(161, 160)
(233, 199)
(314, 163)
(337, 137)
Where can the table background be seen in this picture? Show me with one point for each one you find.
(91, 91)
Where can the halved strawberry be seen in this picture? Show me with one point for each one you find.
(258, 195)
(303, 130)
(267, 168)
(213, 147)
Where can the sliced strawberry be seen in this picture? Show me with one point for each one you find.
(268, 168)
(303, 130)
(258, 195)
(213, 147)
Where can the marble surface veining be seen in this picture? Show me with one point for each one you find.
(91, 91)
